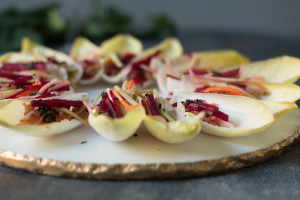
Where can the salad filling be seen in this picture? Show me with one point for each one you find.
(40, 112)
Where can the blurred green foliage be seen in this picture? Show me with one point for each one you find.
(46, 25)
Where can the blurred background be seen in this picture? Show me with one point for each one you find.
(56, 22)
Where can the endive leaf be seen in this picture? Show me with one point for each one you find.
(117, 129)
(116, 45)
(170, 48)
(52, 70)
(249, 116)
(83, 48)
(74, 70)
(17, 57)
(281, 92)
(280, 108)
(171, 132)
(12, 111)
(283, 69)
(120, 43)
(220, 59)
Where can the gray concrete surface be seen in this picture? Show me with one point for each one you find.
(278, 178)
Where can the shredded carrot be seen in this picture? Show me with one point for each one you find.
(224, 90)
(121, 100)
(130, 84)
(37, 82)
(125, 53)
(24, 94)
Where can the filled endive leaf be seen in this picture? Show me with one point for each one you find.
(246, 116)
(45, 117)
(255, 89)
(117, 129)
(117, 116)
(24, 64)
(120, 43)
(170, 125)
(283, 69)
(141, 70)
(87, 54)
(220, 59)
(73, 69)
(118, 53)
(170, 48)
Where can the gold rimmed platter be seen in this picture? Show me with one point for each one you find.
(82, 153)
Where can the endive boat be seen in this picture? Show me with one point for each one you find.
(44, 117)
(117, 116)
(22, 88)
(118, 53)
(228, 116)
(140, 70)
(166, 123)
(16, 63)
(74, 70)
(280, 92)
(87, 54)
(227, 82)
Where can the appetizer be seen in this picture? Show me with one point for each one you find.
(167, 123)
(141, 72)
(44, 117)
(228, 116)
(87, 54)
(117, 116)
(28, 64)
(118, 53)
(74, 70)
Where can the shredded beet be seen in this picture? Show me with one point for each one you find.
(221, 115)
(114, 104)
(65, 88)
(137, 73)
(201, 89)
(112, 69)
(231, 73)
(125, 59)
(21, 81)
(31, 88)
(203, 105)
(198, 105)
(152, 104)
(242, 86)
(173, 77)
(10, 76)
(196, 71)
(110, 109)
(88, 62)
(145, 61)
(23, 66)
(54, 61)
(138, 80)
(102, 105)
(56, 103)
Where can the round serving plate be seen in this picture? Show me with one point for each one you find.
(82, 153)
